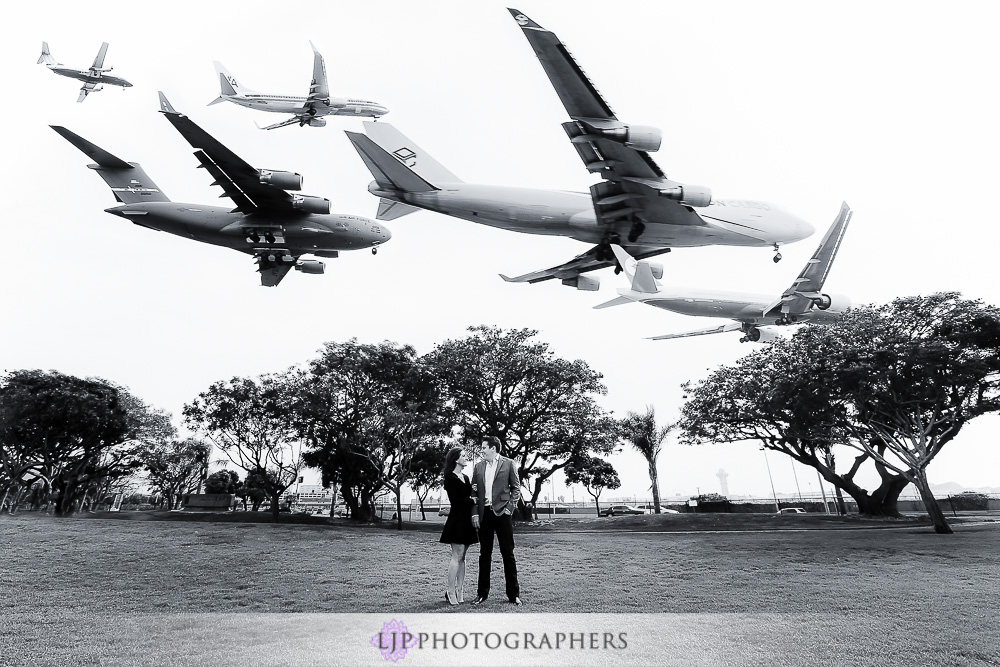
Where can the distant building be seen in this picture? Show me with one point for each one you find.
(723, 481)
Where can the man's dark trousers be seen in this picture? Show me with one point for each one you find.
(503, 527)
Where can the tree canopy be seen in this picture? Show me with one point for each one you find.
(895, 383)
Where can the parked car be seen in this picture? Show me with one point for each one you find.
(664, 510)
(620, 509)
(791, 510)
(444, 510)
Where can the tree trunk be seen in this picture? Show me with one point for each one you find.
(275, 508)
(654, 478)
(930, 502)
(399, 510)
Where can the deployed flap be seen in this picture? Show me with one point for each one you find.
(722, 328)
(273, 265)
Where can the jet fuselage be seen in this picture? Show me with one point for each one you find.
(308, 233)
(297, 105)
(562, 213)
(87, 77)
(747, 308)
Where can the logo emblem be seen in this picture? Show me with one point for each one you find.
(522, 20)
(406, 156)
(393, 640)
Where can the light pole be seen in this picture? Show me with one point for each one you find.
(773, 494)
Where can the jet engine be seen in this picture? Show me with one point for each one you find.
(317, 122)
(311, 204)
(639, 137)
(585, 283)
(692, 195)
(838, 302)
(758, 335)
(310, 266)
(285, 180)
(656, 269)
(336, 102)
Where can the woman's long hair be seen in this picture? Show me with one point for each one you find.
(450, 460)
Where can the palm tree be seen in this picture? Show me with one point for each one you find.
(642, 432)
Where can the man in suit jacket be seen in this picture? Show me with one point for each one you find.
(497, 489)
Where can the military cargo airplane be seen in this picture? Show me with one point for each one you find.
(308, 110)
(276, 227)
(801, 302)
(636, 206)
(93, 78)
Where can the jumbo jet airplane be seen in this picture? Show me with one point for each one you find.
(801, 302)
(636, 206)
(307, 110)
(92, 78)
(276, 227)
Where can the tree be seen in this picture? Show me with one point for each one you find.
(222, 481)
(252, 422)
(895, 383)
(174, 468)
(364, 410)
(647, 437)
(541, 408)
(425, 470)
(595, 474)
(77, 436)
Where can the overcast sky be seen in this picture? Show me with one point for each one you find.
(890, 106)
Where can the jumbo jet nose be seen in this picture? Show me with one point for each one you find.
(799, 228)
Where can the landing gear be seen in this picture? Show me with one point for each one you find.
(777, 254)
(375, 250)
(269, 237)
(636, 231)
(604, 251)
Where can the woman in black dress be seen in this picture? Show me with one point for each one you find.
(458, 529)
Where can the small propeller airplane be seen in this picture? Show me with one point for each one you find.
(93, 78)
(801, 302)
(268, 222)
(306, 110)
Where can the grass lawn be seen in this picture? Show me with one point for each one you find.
(789, 590)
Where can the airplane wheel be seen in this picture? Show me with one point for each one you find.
(744, 339)
(374, 251)
(777, 257)
(269, 237)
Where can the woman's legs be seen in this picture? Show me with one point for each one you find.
(457, 554)
(460, 580)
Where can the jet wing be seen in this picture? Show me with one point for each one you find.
(636, 189)
(290, 121)
(99, 60)
(803, 292)
(319, 89)
(85, 90)
(722, 328)
(239, 181)
(584, 263)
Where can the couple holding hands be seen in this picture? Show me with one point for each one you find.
(481, 510)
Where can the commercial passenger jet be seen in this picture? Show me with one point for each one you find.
(307, 110)
(801, 302)
(93, 78)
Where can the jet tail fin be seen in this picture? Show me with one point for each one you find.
(228, 83)
(46, 57)
(127, 180)
(389, 173)
(639, 273)
(395, 143)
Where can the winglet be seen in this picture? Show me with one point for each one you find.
(523, 20)
(165, 106)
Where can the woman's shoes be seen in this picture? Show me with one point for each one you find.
(447, 597)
